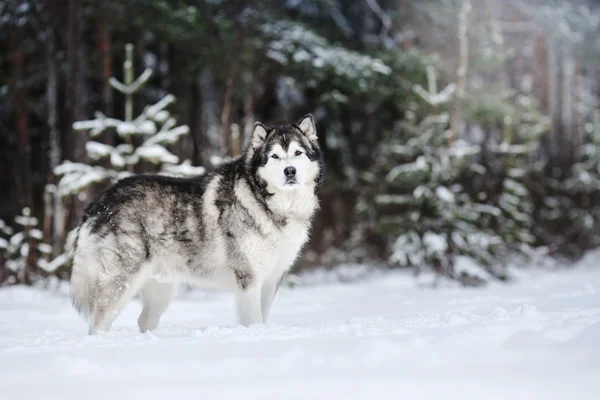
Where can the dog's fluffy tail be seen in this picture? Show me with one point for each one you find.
(82, 279)
(81, 291)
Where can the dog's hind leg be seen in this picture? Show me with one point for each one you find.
(155, 297)
(110, 299)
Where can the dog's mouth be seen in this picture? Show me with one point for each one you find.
(291, 182)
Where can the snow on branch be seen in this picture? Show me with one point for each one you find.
(135, 86)
(60, 261)
(185, 169)
(156, 154)
(168, 137)
(76, 177)
(431, 94)
(291, 43)
(420, 165)
(154, 110)
(96, 126)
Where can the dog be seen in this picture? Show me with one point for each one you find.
(239, 227)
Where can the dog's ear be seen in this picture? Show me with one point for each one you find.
(259, 134)
(307, 126)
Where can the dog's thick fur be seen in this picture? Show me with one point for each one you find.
(239, 227)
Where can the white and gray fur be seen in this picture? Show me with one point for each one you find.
(239, 227)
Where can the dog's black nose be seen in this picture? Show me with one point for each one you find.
(290, 172)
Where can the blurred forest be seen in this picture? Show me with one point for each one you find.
(452, 129)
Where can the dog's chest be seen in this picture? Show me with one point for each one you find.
(276, 250)
(293, 237)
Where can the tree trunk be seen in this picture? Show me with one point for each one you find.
(210, 110)
(566, 145)
(54, 221)
(105, 56)
(76, 80)
(230, 80)
(226, 110)
(555, 80)
(76, 95)
(539, 71)
(196, 122)
(577, 122)
(21, 119)
(248, 108)
(461, 84)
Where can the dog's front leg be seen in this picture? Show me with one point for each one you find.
(248, 306)
(248, 299)
(269, 290)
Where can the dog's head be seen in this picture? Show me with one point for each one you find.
(285, 157)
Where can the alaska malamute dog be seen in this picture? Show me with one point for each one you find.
(239, 227)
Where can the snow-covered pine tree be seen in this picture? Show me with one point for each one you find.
(507, 124)
(501, 177)
(571, 205)
(25, 251)
(142, 140)
(422, 204)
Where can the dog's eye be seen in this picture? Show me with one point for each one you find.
(275, 156)
(298, 152)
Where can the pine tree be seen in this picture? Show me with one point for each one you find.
(143, 140)
(508, 125)
(422, 204)
(570, 210)
(25, 251)
(502, 175)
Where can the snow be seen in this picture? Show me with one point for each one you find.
(505, 148)
(60, 261)
(16, 240)
(444, 194)
(431, 94)
(168, 136)
(436, 99)
(462, 149)
(292, 43)
(393, 199)
(419, 165)
(97, 150)
(24, 250)
(126, 128)
(98, 125)
(487, 209)
(155, 110)
(156, 154)
(5, 229)
(26, 219)
(435, 243)
(77, 177)
(44, 248)
(385, 334)
(185, 169)
(36, 233)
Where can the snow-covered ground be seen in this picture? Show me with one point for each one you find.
(386, 336)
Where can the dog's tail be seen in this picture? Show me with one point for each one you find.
(82, 277)
(81, 292)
